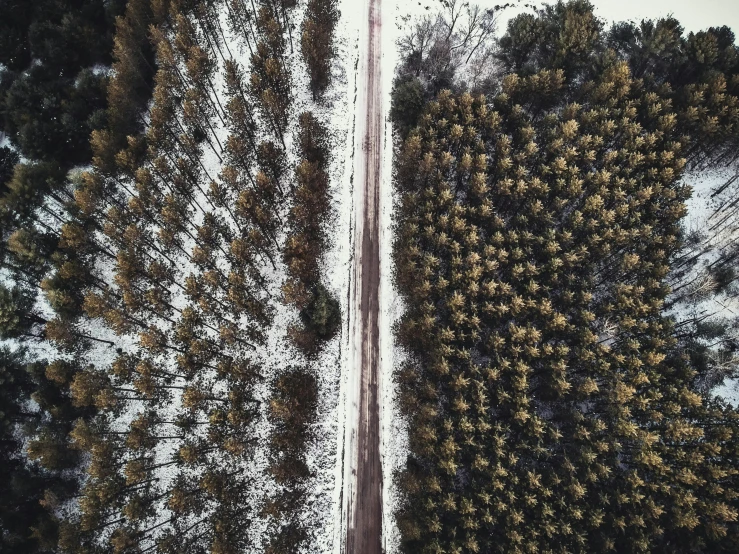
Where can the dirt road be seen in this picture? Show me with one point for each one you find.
(363, 483)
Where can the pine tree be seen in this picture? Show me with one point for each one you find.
(316, 42)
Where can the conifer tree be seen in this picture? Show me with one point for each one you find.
(316, 42)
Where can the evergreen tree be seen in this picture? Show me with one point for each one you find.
(316, 42)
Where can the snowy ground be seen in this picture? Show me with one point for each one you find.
(393, 431)
(712, 216)
(322, 511)
(399, 16)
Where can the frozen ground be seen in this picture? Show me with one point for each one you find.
(398, 16)
(322, 511)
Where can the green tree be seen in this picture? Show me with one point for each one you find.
(316, 42)
(322, 315)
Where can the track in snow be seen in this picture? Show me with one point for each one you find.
(363, 466)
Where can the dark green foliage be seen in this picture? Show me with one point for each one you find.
(15, 52)
(518, 242)
(27, 527)
(108, 244)
(26, 190)
(32, 251)
(69, 34)
(272, 160)
(723, 277)
(270, 81)
(561, 36)
(660, 50)
(131, 85)
(690, 72)
(51, 99)
(292, 411)
(408, 102)
(16, 312)
(8, 159)
(322, 315)
(48, 120)
(313, 140)
(15, 385)
(711, 329)
(287, 539)
(50, 108)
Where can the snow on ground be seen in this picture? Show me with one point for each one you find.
(354, 17)
(729, 391)
(323, 514)
(712, 216)
(694, 17)
(325, 455)
(339, 262)
(393, 428)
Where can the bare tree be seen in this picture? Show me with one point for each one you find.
(455, 45)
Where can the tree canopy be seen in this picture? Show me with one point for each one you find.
(551, 405)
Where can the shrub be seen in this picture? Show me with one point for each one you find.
(407, 103)
(322, 315)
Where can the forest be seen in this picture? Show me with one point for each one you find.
(170, 317)
(558, 386)
(163, 201)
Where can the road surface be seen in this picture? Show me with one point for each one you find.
(363, 480)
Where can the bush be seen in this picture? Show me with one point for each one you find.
(407, 103)
(322, 315)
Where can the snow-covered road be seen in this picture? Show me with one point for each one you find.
(362, 483)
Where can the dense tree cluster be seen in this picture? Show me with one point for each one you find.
(32, 492)
(270, 78)
(693, 71)
(130, 86)
(452, 49)
(552, 404)
(50, 96)
(316, 42)
(189, 283)
(308, 238)
(292, 411)
(697, 73)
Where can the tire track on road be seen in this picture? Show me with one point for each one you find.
(364, 500)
